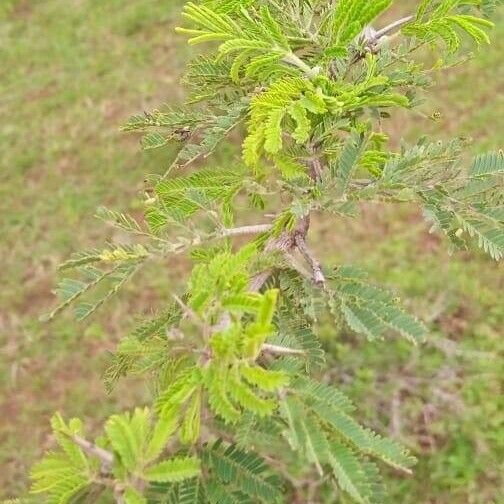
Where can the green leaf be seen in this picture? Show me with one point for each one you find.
(273, 135)
(318, 391)
(295, 331)
(219, 493)
(178, 392)
(303, 124)
(218, 395)
(292, 411)
(349, 473)
(249, 400)
(487, 164)
(127, 435)
(63, 434)
(132, 496)
(55, 475)
(348, 160)
(163, 430)
(268, 308)
(153, 141)
(365, 440)
(351, 16)
(445, 23)
(315, 442)
(190, 428)
(264, 379)
(290, 168)
(490, 240)
(173, 470)
(246, 471)
(313, 102)
(191, 491)
(372, 311)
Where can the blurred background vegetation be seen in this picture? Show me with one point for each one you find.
(72, 73)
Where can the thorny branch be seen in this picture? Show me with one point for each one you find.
(183, 244)
(391, 27)
(372, 37)
(259, 280)
(188, 312)
(107, 460)
(293, 59)
(280, 350)
(246, 230)
(106, 457)
(318, 275)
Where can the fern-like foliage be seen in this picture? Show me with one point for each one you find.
(119, 264)
(181, 197)
(65, 473)
(122, 461)
(370, 310)
(243, 473)
(253, 39)
(351, 17)
(439, 20)
(244, 410)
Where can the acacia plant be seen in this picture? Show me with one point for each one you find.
(243, 410)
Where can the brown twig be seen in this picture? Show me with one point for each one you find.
(106, 457)
(280, 350)
(372, 38)
(294, 264)
(259, 280)
(318, 275)
(246, 230)
(390, 28)
(188, 312)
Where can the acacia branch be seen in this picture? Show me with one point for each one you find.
(188, 312)
(390, 28)
(294, 264)
(286, 243)
(119, 496)
(280, 350)
(318, 275)
(246, 230)
(259, 280)
(106, 457)
(372, 37)
(293, 59)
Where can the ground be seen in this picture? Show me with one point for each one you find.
(72, 73)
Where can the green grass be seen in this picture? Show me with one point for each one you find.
(75, 70)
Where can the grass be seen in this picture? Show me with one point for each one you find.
(76, 69)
